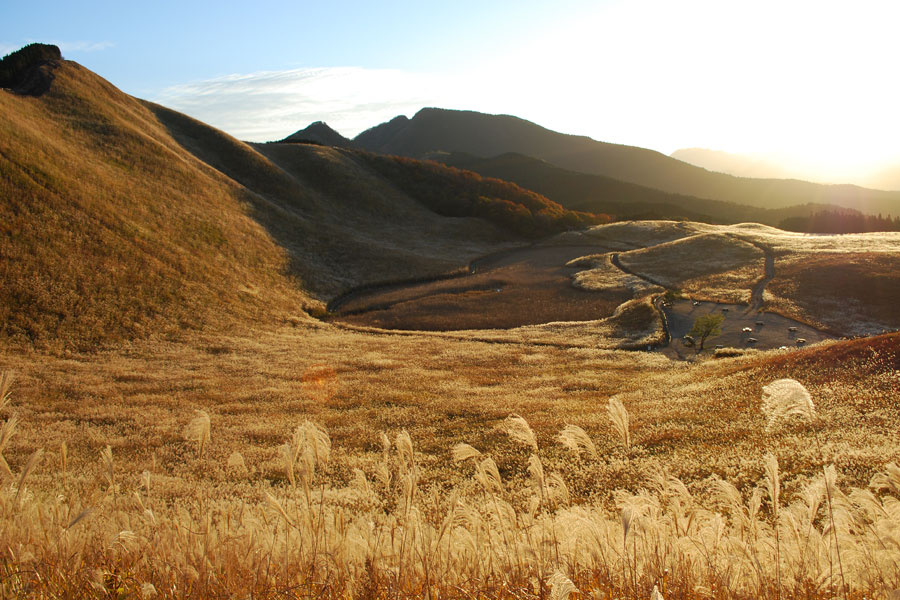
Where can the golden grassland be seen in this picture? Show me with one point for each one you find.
(196, 514)
(174, 425)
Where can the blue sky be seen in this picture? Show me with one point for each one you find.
(813, 82)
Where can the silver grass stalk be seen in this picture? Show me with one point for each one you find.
(518, 429)
(784, 399)
(80, 517)
(404, 449)
(561, 587)
(773, 487)
(288, 457)
(7, 430)
(32, 462)
(889, 479)
(5, 381)
(488, 475)
(64, 459)
(618, 416)
(559, 491)
(463, 451)
(106, 459)
(577, 440)
(198, 431)
(773, 482)
(655, 594)
(311, 444)
(274, 503)
(536, 470)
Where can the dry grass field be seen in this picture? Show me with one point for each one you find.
(174, 423)
(197, 514)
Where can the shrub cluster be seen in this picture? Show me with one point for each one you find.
(14, 66)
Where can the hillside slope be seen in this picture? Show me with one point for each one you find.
(122, 219)
(486, 135)
(109, 230)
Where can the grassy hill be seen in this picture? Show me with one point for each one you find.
(122, 219)
(109, 230)
(484, 135)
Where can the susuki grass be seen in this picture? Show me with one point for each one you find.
(510, 517)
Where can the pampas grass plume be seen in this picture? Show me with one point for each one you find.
(618, 416)
(198, 430)
(5, 381)
(463, 451)
(786, 398)
(561, 587)
(577, 440)
(518, 429)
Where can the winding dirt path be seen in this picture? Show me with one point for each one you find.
(614, 259)
(756, 293)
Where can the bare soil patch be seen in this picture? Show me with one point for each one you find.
(528, 286)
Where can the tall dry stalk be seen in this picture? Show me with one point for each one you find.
(773, 487)
(561, 587)
(109, 474)
(577, 440)
(5, 381)
(7, 430)
(30, 464)
(518, 429)
(198, 430)
(786, 399)
(9, 426)
(618, 417)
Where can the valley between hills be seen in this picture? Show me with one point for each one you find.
(377, 368)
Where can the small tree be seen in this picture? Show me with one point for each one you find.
(707, 326)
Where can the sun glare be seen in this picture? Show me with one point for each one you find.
(807, 82)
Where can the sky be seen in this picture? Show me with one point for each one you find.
(813, 84)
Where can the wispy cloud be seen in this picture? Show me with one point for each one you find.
(270, 105)
(83, 46)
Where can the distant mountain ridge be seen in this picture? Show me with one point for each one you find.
(739, 165)
(484, 135)
(600, 194)
(319, 133)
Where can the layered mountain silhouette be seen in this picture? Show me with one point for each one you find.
(599, 194)
(439, 130)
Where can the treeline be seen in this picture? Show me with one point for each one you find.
(14, 65)
(455, 192)
(840, 221)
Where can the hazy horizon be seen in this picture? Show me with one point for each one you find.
(808, 82)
